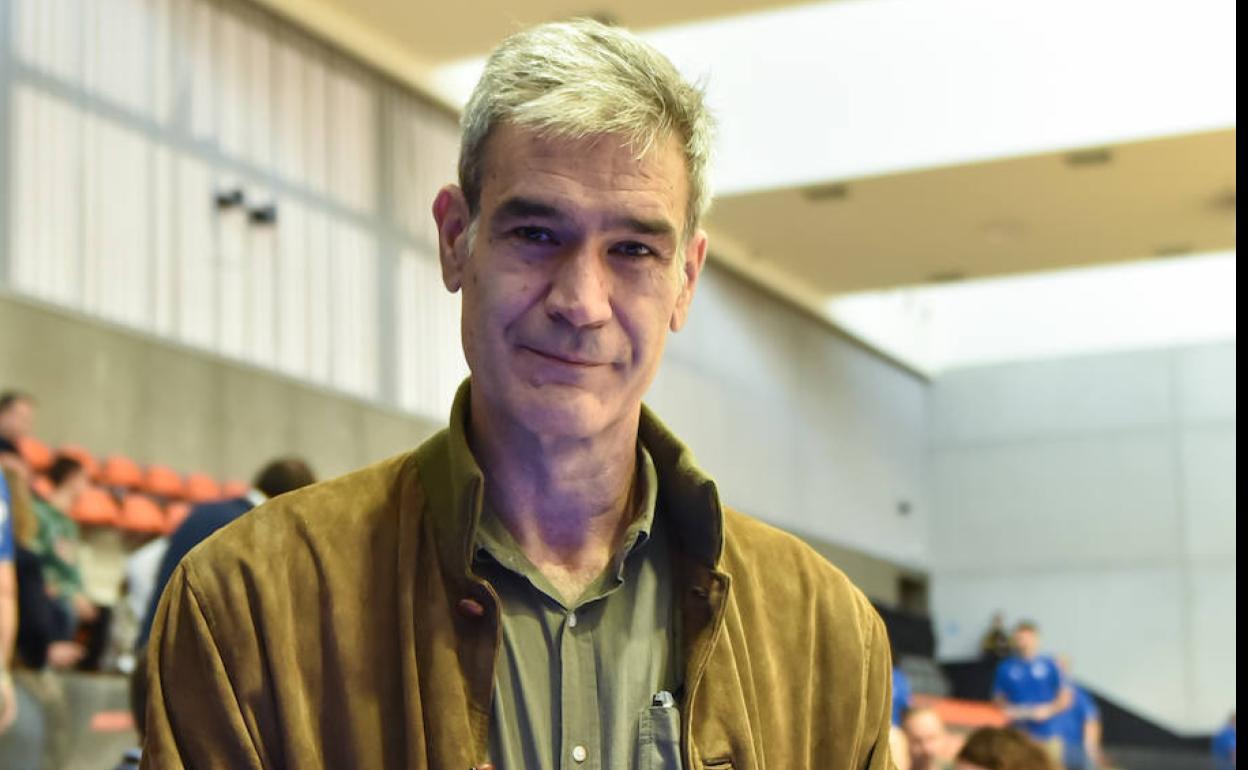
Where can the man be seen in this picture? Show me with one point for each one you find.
(57, 542)
(931, 745)
(17, 419)
(1224, 746)
(997, 748)
(285, 474)
(8, 611)
(1030, 687)
(1079, 726)
(551, 581)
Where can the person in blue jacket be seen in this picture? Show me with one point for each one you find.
(1224, 745)
(1030, 688)
(1079, 727)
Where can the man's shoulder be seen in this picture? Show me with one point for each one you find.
(340, 514)
(783, 566)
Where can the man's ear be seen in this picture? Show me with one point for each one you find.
(451, 216)
(695, 260)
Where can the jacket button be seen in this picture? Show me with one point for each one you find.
(472, 608)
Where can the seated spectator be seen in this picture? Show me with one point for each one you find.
(1224, 746)
(8, 610)
(901, 695)
(1079, 727)
(278, 477)
(1030, 688)
(17, 419)
(931, 745)
(43, 643)
(58, 542)
(995, 748)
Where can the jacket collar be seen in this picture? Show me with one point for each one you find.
(454, 487)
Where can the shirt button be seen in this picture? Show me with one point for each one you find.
(579, 753)
(572, 624)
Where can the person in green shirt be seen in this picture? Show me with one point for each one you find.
(58, 541)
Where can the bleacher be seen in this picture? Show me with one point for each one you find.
(146, 500)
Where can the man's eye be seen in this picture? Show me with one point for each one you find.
(534, 234)
(634, 249)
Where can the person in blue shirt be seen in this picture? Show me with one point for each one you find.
(1030, 688)
(8, 609)
(1079, 727)
(901, 695)
(1224, 746)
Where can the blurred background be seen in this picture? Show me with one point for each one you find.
(968, 325)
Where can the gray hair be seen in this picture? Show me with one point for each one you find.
(580, 79)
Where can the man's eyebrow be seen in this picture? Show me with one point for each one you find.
(660, 228)
(527, 208)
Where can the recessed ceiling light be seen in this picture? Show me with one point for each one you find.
(1096, 156)
(827, 192)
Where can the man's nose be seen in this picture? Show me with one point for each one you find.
(580, 289)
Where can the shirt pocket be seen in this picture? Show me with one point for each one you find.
(658, 738)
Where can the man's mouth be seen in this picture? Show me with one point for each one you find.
(562, 358)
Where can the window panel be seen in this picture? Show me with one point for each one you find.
(261, 292)
(230, 64)
(196, 268)
(231, 225)
(314, 121)
(259, 104)
(292, 290)
(353, 270)
(352, 159)
(164, 265)
(321, 315)
(288, 120)
(198, 28)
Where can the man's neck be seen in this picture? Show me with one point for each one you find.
(565, 500)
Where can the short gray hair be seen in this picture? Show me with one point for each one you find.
(580, 79)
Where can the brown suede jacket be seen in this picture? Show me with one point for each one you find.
(341, 627)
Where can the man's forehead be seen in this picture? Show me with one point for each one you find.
(604, 168)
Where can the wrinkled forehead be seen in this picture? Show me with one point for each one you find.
(598, 169)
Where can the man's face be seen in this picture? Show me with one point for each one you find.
(1026, 642)
(929, 741)
(18, 420)
(76, 484)
(577, 271)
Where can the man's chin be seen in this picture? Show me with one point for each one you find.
(562, 411)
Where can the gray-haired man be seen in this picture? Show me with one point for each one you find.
(550, 582)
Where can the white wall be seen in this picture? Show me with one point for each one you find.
(1096, 495)
(799, 426)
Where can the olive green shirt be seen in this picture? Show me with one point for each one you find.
(587, 684)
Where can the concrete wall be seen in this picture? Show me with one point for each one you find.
(1096, 495)
(115, 390)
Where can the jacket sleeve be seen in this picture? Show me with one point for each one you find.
(195, 719)
(878, 703)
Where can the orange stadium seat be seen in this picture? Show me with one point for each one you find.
(200, 488)
(964, 714)
(121, 472)
(41, 486)
(163, 481)
(140, 513)
(36, 453)
(83, 456)
(233, 489)
(95, 506)
(175, 514)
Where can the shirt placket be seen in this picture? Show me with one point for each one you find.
(580, 734)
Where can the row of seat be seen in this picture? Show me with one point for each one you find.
(134, 512)
(124, 475)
